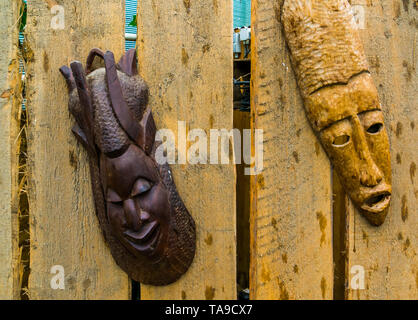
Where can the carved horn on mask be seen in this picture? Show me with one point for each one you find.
(142, 133)
(128, 63)
(134, 130)
(68, 76)
(119, 105)
(95, 52)
(84, 130)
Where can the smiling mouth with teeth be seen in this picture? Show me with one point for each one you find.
(377, 203)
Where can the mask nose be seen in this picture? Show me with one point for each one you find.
(144, 216)
(370, 174)
(135, 217)
(131, 214)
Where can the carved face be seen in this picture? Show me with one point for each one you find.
(351, 128)
(149, 230)
(138, 206)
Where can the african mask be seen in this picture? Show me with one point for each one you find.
(146, 224)
(341, 100)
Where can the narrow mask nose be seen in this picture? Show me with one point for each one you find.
(131, 214)
(370, 174)
(144, 216)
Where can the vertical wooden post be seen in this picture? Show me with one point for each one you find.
(388, 253)
(9, 124)
(185, 55)
(291, 225)
(63, 226)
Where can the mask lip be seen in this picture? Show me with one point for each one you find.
(150, 238)
(377, 202)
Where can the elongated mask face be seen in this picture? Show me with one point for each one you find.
(341, 99)
(150, 232)
(352, 130)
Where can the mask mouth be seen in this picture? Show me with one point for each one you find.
(146, 238)
(377, 203)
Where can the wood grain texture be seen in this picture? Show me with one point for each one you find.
(291, 226)
(63, 226)
(185, 56)
(9, 105)
(388, 253)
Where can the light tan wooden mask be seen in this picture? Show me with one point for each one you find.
(341, 99)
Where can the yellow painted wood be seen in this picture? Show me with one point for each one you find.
(9, 113)
(388, 254)
(63, 226)
(185, 55)
(291, 226)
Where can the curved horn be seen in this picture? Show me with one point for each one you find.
(85, 100)
(96, 52)
(128, 63)
(66, 72)
(148, 131)
(121, 109)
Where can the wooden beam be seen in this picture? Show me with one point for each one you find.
(10, 93)
(64, 229)
(291, 225)
(388, 253)
(185, 55)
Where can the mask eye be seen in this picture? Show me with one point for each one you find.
(140, 187)
(341, 140)
(113, 197)
(375, 128)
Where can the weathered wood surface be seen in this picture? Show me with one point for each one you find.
(9, 104)
(388, 254)
(63, 226)
(185, 55)
(291, 226)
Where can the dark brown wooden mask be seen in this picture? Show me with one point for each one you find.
(151, 234)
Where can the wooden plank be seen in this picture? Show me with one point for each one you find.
(63, 226)
(388, 253)
(185, 55)
(10, 93)
(291, 225)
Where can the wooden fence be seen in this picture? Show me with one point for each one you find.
(305, 237)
